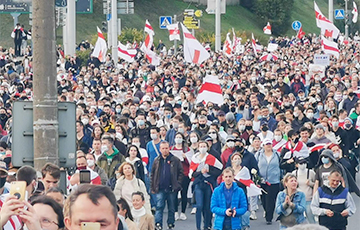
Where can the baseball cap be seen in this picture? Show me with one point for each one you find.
(267, 141)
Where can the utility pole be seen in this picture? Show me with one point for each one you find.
(70, 33)
(114, 31)
(218, 25)
(175, 41)
(331, 10)
(45, 109)
(346, 19)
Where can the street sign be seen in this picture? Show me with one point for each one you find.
(339, 14)
(84, 6)
(296, 25)
(189, 19)
(211, 6)
(14, 6)
(60, 3)
(164, 21)
(125, 7)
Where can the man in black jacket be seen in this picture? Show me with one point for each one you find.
(166, 175)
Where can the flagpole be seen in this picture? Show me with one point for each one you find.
(175, 42)
(346, 20)
(331, 10)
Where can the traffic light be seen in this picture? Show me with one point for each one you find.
(104, 26)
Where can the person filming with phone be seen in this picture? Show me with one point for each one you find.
(228, 203)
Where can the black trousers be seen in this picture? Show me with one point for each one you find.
(184, 200)
(268, 200)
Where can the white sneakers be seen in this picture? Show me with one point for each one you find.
(253, 215)
(182, 216)
(193, 211)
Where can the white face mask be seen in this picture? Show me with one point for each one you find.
(137, 144)
(277, 138)
(104, 148)
(310, 115)
(85, 121)
(302, 166)
(90, 163)
(241, 128)
(153, 136)
(178, 140)
(213, 136)
(193, 139)
(230, 144)
(202, 150)
(337, 155)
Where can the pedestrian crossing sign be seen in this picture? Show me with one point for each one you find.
(164, 21)
(339, 14)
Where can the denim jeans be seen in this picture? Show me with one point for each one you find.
(245, 219)
(309, 214)
(161, 198)
(203, 200)
(152, 196)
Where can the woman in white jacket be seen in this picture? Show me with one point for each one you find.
(127, 184)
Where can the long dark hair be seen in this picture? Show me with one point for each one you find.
(124, 205)
(184, 143)
(137, 149)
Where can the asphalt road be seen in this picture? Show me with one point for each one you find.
(259, 224)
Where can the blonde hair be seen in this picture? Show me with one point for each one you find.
(287, 177)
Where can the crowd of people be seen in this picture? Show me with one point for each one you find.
(286, 137)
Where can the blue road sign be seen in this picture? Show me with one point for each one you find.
(108, 17)
(339, 14)
(164, 21)
(296, 25)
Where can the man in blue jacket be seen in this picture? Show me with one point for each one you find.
(228, 203)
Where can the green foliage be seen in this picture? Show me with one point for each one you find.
(249, 4)
(83, 56)
(131, 35)
(277, 12)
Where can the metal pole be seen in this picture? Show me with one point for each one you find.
(218, 26)
(71, 27)
(175, 41)
(16, 18)
(346, 20)
(331, 10)
(114, 38)
(45, 110)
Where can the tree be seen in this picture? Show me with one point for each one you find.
(277, 12)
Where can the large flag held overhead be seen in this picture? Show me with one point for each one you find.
(328, 29)
(355, 12)
(148, 28)
(267, 29)
(126, 54)
(330, 47)
(100, 48)
(227, 47)
(194, 52)
(174, 32)
(210, 91)
(150, 55)
(236, 40)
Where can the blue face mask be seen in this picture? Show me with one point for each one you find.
(325, 160)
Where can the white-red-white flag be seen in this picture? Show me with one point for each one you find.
(227, 47)
(355, 13)
(256, 47)
(267, 29)
(100, 48)
(210, 91)
(126, 54)
(269, 57)
(174, 32)
(194, 52)
(152, 57)
(300, 33)
(148, 28)
(328, 29)
(330, 47)
(236, 40)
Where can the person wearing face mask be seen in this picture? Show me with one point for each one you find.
(230, 123)
(339, 133)
(142, 130)
(81, 164)
(300, 119)
(214, 134)
(3, 176)
(204, 169)
(170, 134)
(278, 142)
(293, 149)
(90, 158)
(185, 154)
(309, 113)
(306, 181)
(248, 131)
(338, 155)
(228, 149)
(265, 132)
(350, 102)
(110, 156)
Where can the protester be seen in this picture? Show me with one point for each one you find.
(142, 219)
(50, 176)
(290, 203)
